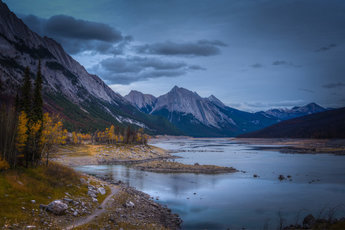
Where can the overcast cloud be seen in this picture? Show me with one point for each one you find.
(247, 53)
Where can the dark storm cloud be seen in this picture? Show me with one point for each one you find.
(196, 67)
(334, 85)
(326, 48)
(284, 63)
(69, 27)
(124, 70)
(199, 48)
(77, 35)
(257, 65)
(279, 63)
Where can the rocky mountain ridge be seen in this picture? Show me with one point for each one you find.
(198, 116)
(82, 99)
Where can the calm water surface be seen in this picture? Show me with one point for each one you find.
(238, 200)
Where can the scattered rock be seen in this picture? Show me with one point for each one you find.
(101, 190)
(111, 219)
(281, 177)
(43, 207)
(94, 199)
(75, 213)
(92, 193)
(129, 204)
(68, 200)
(33, 201)
(83, 181)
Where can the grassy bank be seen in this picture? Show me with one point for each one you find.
(22, 190)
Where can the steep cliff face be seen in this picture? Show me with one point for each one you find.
(144, 102)
(184, 101)
(83, 99)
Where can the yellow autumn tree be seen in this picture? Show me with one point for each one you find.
(34, 140)
(22, 129)
(111, 134)
(52, 134)
(74, 138)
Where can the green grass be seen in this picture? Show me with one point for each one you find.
(42, 184)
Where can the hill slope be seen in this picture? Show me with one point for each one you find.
(328, 124)
(82, 99)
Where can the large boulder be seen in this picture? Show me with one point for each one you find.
(101, 190)
(57, 207)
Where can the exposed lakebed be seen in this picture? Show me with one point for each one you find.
(236, 200)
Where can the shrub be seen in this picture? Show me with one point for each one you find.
(4, 165)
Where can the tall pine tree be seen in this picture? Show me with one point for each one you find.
(37, 113)
(25, 97)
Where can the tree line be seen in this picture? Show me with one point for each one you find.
(111, 135)
(27, 135)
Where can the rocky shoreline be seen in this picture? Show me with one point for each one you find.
(134, 209)
(130, 208)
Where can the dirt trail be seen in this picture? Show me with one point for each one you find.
(97, 212)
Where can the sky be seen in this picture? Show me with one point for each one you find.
(252, 55)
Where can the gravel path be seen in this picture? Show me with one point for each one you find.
(97, 212)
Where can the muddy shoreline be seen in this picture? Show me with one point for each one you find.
(296, 146)
(175, 167)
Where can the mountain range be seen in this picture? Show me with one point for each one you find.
(198, 116)
(326, 124)
(82, 99)
(86, 103)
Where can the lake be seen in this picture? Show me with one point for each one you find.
(238, 200)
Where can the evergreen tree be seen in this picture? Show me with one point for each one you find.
(25, 101)
(37, 113)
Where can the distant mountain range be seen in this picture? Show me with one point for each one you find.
(327, 124)
(198, 116)
(82, 99)
(285, 114)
